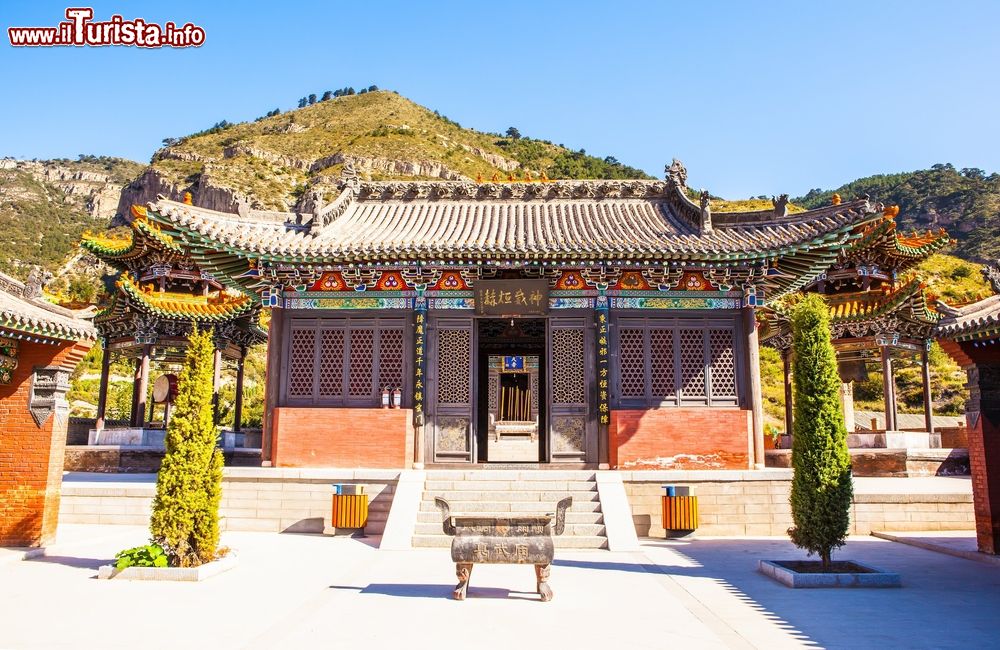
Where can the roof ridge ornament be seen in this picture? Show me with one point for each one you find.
(781, 205)
(991, 273)
(676, 173)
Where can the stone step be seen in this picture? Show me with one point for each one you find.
(562, 541)
(474, 475)
(589, 530)
(533, 507)
(543, 497)
(511, 485)
(434, 517)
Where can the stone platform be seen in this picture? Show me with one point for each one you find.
(894, 463)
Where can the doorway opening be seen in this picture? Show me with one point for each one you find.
(510, 407)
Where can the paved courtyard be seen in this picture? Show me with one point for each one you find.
(310, 591)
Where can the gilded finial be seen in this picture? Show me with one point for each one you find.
(527, 176)
(496, 177)
(187, 198)
(545, 177)
(835, 199)
(479, 177)
(891, 211)
(510, 178)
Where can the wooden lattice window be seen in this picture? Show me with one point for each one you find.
(301, 362)
(675, 361)
(391, 354)
(454, 366)
(344, 360)
(567, 366)
(631, 359)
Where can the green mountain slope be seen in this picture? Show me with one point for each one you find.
(965, 202)
(288, 160)
(45, 206)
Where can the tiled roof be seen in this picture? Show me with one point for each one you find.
(980, 320)
(866, 305)
(449, 220)
(185, 306)
(36, 318)
(145, 236)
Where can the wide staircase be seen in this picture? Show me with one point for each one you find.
(514, 492)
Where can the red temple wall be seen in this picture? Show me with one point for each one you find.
(341, 437)
(31, 457)
(680, 438)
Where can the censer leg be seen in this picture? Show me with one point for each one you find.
(542, 572)
(463, 570)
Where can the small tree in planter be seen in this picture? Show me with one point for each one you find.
(185, 519)
(821, 487)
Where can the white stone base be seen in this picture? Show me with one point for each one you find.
(170, 574)
(894, 440)
(876, 579)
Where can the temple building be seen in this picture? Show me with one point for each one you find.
(450, 323)
(879, 312)
(40, 345)
(161, 294)
(971, 335)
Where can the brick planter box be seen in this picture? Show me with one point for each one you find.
(862, 576)
(170, 574)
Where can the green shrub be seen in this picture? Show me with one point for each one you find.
(821, 486)
(150, 555)
(185, 519)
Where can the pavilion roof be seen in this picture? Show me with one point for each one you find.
(867, 305)
(977, 321)
(145, 237)
(26, 315)
(881, 239)
(177, 306)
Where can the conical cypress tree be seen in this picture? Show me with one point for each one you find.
(822, 487)
(185, 519)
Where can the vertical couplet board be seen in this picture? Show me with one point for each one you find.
(450, 396)
(572, 424)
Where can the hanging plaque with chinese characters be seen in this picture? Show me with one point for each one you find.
(512, 297)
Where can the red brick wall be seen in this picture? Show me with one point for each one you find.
(680, 438)
(332, 437)
(31, 457)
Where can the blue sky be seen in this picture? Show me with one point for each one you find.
(755, 98)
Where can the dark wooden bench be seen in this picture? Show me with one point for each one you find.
(503, 539)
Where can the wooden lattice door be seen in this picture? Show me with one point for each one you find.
(572, 427)
(451, 374)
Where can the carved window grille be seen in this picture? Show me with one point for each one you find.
(454, 367)
(661, 363)
(567, 367)
(362, 363)
(331, 363)
(692, 357)
(722, 366)
(345, 361)
(631, 358)
(301, 362)
(390, 367)
(675, 361)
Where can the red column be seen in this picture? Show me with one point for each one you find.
(756, 398)
(102, 391)
(238, 406)
(786, 359)
(888, 389)
(272, 383)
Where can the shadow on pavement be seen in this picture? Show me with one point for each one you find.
(945, 601)
(90, 563)
(412, 590)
